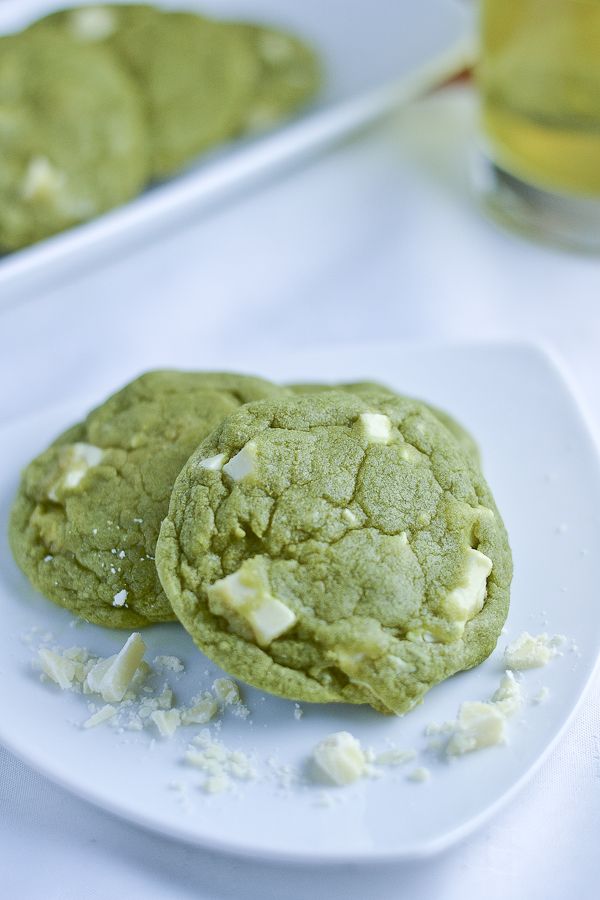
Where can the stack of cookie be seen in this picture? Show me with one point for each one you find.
(323, 544)
(99, 101)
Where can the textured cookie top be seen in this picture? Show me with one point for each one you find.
(73, 137)
(366, 389)
(87, 515)
(336, 547)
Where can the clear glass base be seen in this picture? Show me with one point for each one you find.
(570, 222)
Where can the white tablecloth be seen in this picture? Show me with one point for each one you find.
(379, 238)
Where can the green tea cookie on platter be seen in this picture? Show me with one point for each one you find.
(330, 547)
(368, 388)
(73, 139)
(290, 76)
(195, 74)
(88, 511)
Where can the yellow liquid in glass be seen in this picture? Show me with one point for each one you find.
(539, 79)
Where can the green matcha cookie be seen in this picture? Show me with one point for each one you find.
(196, 75)
(73, 140)
(86, 518)
(368, 388)
(290, 76)
(328, 547)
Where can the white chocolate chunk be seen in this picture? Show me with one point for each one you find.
(217, 784)
(243, 463)
(76, 461)
(270, 620)
(509, 697)
(103, 715)
(226, 691)
(275, 49)
(395, 757)
(92, 23)
(376, 428)
(120, 672)
(340, 757)
(58, 668)
(419, 775)
(167, 721)
(201, 712)
(42, 181)
(529, 651)
(467, 599)
(246, 593)
(478, 725)
(120, 598)
(214, 463)
(97, 673)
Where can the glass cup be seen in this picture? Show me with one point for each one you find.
(539, 84)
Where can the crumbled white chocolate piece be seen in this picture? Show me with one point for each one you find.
(340, 757)
(394, 756)
(172, 663)
(298, 711)
(243, 463)
(529, 651)
(541, 696)
(226, 691)
(118, 675)
(419, 775)
(508, 698)
(103, 715)
(478, 725)
(201, 712)
(167, 721)
(59, 669)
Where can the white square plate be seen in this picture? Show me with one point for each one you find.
(374, 57)
(543, 468)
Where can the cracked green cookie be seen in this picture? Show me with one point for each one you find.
(368, 388)
(196, 75)
(88, 511)
(330, 547)
(289, 76)
(73, 139)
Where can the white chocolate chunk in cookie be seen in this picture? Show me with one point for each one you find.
(42, 181)
(467, 599)
(243, 463)
(213, 463)
(75, 462)
(375, 427)
(246, 593)
(92, 23)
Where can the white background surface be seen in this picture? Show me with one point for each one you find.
(380, 238)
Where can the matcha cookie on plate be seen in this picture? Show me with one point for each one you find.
(196, 75)
(368, 388)
(88, 511)
(73, 140)
(289, 76)
(328, 547)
